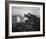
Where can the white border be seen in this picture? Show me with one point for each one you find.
(25, 33)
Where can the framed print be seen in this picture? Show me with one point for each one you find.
(24, 19)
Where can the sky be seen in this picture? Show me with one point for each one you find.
(24, 10)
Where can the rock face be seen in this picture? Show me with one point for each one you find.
(32, 24)
(21, 18)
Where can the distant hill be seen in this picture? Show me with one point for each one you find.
(32, 24)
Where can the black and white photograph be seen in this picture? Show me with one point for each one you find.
(25, 19)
